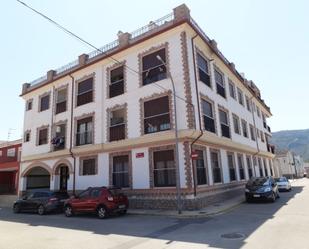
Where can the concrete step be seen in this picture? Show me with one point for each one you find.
(7, 200)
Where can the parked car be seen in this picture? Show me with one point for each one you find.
(264, 188)
(283, 184)
(100, 200)
(41, 202)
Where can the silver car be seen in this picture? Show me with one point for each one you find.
(283, 184)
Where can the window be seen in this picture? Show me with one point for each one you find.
(260, 167)
(236, 124)
(219, 78)
(231, 165)
(61, 100)
(225, 128)
(248, 102)
(43, 134)
(89, 166)
(201, 172)
(27, 136)
(240, 96)
(252, 133)
(117, 126)
(116, 86)
(44, 103)
(84, 131)
(58, 140)
(157, 115)
(164, 169)
(265, 167)
(85, 92)
(264, 121)
(262, 137)
(153, 69)
(232, 90)
(258, 111)
(244, 128)
(95, 192)
(121, 171)
(215, 165)
(29, 105)
(208, 116)
(241, 167)
(249, 165)
(203, 70)
(11, 152)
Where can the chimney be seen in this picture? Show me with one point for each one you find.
(181, 12)
(25, 87)
(82, 59)
(50, 75)
(123, 38)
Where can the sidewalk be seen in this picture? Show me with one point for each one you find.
(211, 210)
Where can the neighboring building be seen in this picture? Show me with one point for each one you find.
(9, 166)
(306, 168)
(110, 117)
(289, 165)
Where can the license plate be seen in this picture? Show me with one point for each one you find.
(256, 195)
(122, 206)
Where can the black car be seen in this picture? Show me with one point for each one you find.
(41, 202)
(261, 188)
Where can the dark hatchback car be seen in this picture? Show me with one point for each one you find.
(264, 188)
(102, 201)
(41, 202)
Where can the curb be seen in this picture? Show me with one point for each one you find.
(186, 216)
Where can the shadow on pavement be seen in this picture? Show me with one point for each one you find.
(243, 220)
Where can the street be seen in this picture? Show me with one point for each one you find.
(283, 224)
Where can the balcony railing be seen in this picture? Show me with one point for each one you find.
(83, 138)
(117, 132)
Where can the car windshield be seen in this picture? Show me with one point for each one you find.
(281, 179)
(258, 181)
(61, 195)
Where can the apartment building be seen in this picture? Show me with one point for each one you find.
(9, 166)
(108, 118)
(287, 164)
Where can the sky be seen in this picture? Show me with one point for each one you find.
(267, 40)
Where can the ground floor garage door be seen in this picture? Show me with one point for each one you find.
(38, 178)
(7, 182)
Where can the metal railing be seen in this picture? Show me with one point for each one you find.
(106, 48)
(66, 67)
(152, 25)
(38, 80)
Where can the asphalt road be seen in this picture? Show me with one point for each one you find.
(284, 224)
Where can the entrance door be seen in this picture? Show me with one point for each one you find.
(64, 175)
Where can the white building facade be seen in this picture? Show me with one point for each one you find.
(108, 119)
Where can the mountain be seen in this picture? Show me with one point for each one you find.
(294, 140)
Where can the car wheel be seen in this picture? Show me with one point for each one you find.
(101, 212)
(16, 208)
(41, 210)
(68, 211)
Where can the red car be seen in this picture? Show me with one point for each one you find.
(100, 200)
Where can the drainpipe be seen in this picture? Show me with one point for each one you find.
(199, 118)
(71, 133)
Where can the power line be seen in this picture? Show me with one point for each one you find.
(91, 45)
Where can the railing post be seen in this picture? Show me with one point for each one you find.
(181, 12)
(50, 75)
(123, 38)
(82, 59)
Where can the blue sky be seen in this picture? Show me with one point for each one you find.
(267, 40)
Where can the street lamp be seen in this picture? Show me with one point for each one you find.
(176, 138)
